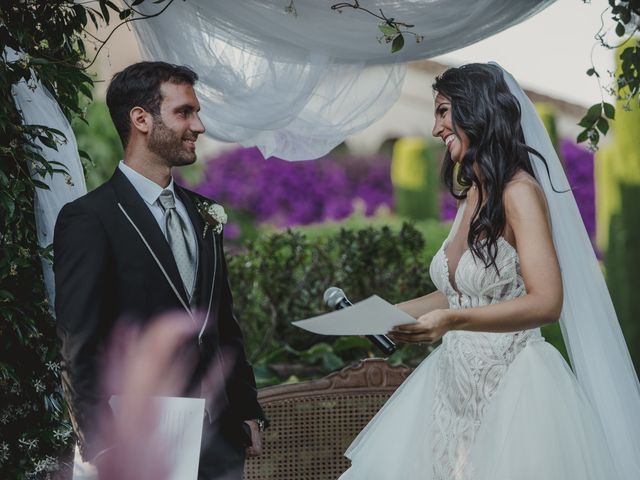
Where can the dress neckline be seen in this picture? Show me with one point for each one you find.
(451, 280)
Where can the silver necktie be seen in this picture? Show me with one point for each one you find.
(182, 244)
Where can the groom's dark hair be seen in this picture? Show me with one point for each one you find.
(138, 85)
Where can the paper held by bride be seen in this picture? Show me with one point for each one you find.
(373, 316)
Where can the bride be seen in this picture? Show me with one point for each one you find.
(495, 401)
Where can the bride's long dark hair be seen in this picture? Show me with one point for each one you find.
(483, 107)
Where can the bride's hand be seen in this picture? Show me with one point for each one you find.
(429, 329)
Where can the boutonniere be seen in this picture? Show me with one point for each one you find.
(213, 215)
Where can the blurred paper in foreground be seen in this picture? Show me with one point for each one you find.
(179, 430)
(177, 438)
(373, 316)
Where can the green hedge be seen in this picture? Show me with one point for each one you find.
(622, 189)
(97, 136)
(415, 176)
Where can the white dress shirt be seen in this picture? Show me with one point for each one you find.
(150, 192)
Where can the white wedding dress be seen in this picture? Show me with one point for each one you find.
(484, 406)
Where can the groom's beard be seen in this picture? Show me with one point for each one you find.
(169, 145)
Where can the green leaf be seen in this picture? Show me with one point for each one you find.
(397, 44)
(609, 110)
(583, 136)
(625, 15)
(317, 350)
(92, 15)
(594, 112)
(112, 5)
(136, 2)
(603, 125)
(124, 14)
(86, 90)
(81, 13)
(592, 71)
(40, 184)
(628, 54)
(387, 30)
(351, 342)
(104, 10)
(331, 361)
(620, 29)
(54, 162)
(48, 142)
(586, 122)
(5, 295)
(39, 61)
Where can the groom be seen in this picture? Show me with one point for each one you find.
(141, 245)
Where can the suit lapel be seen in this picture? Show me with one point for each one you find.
(213, 247)
(138, 213)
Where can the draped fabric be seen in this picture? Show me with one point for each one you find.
(295, 77)
(38, 107)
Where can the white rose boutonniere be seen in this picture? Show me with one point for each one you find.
(213, 215)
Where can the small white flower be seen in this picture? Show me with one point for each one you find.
(62, 433)
(217, 213)
(4, 452)
(24, 59)
(214, 216)
(15, 387)
(53, 366)
(29, 444)
(39, 386)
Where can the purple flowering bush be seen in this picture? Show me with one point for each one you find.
(448, 206)
(286, 194)
(579, 168)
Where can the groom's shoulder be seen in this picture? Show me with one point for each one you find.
(94, 201)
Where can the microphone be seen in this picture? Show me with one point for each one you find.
(335, 299)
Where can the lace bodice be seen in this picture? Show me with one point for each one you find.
(476, 285)
(472, 364)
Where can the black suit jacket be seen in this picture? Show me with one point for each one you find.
(104, 271)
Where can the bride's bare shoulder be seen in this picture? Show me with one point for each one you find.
(523, 193)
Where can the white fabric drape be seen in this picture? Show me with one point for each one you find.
(590, 328)
(297, 85)
(38, 107)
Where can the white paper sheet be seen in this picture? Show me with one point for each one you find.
(83, 470)
(179, 426)
(373, 316)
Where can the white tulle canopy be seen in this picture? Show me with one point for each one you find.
(295, 78)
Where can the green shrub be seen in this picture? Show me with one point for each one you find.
(97, 136)
(415, 178)
(619, 222)
(433, 231)
(548, 115)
